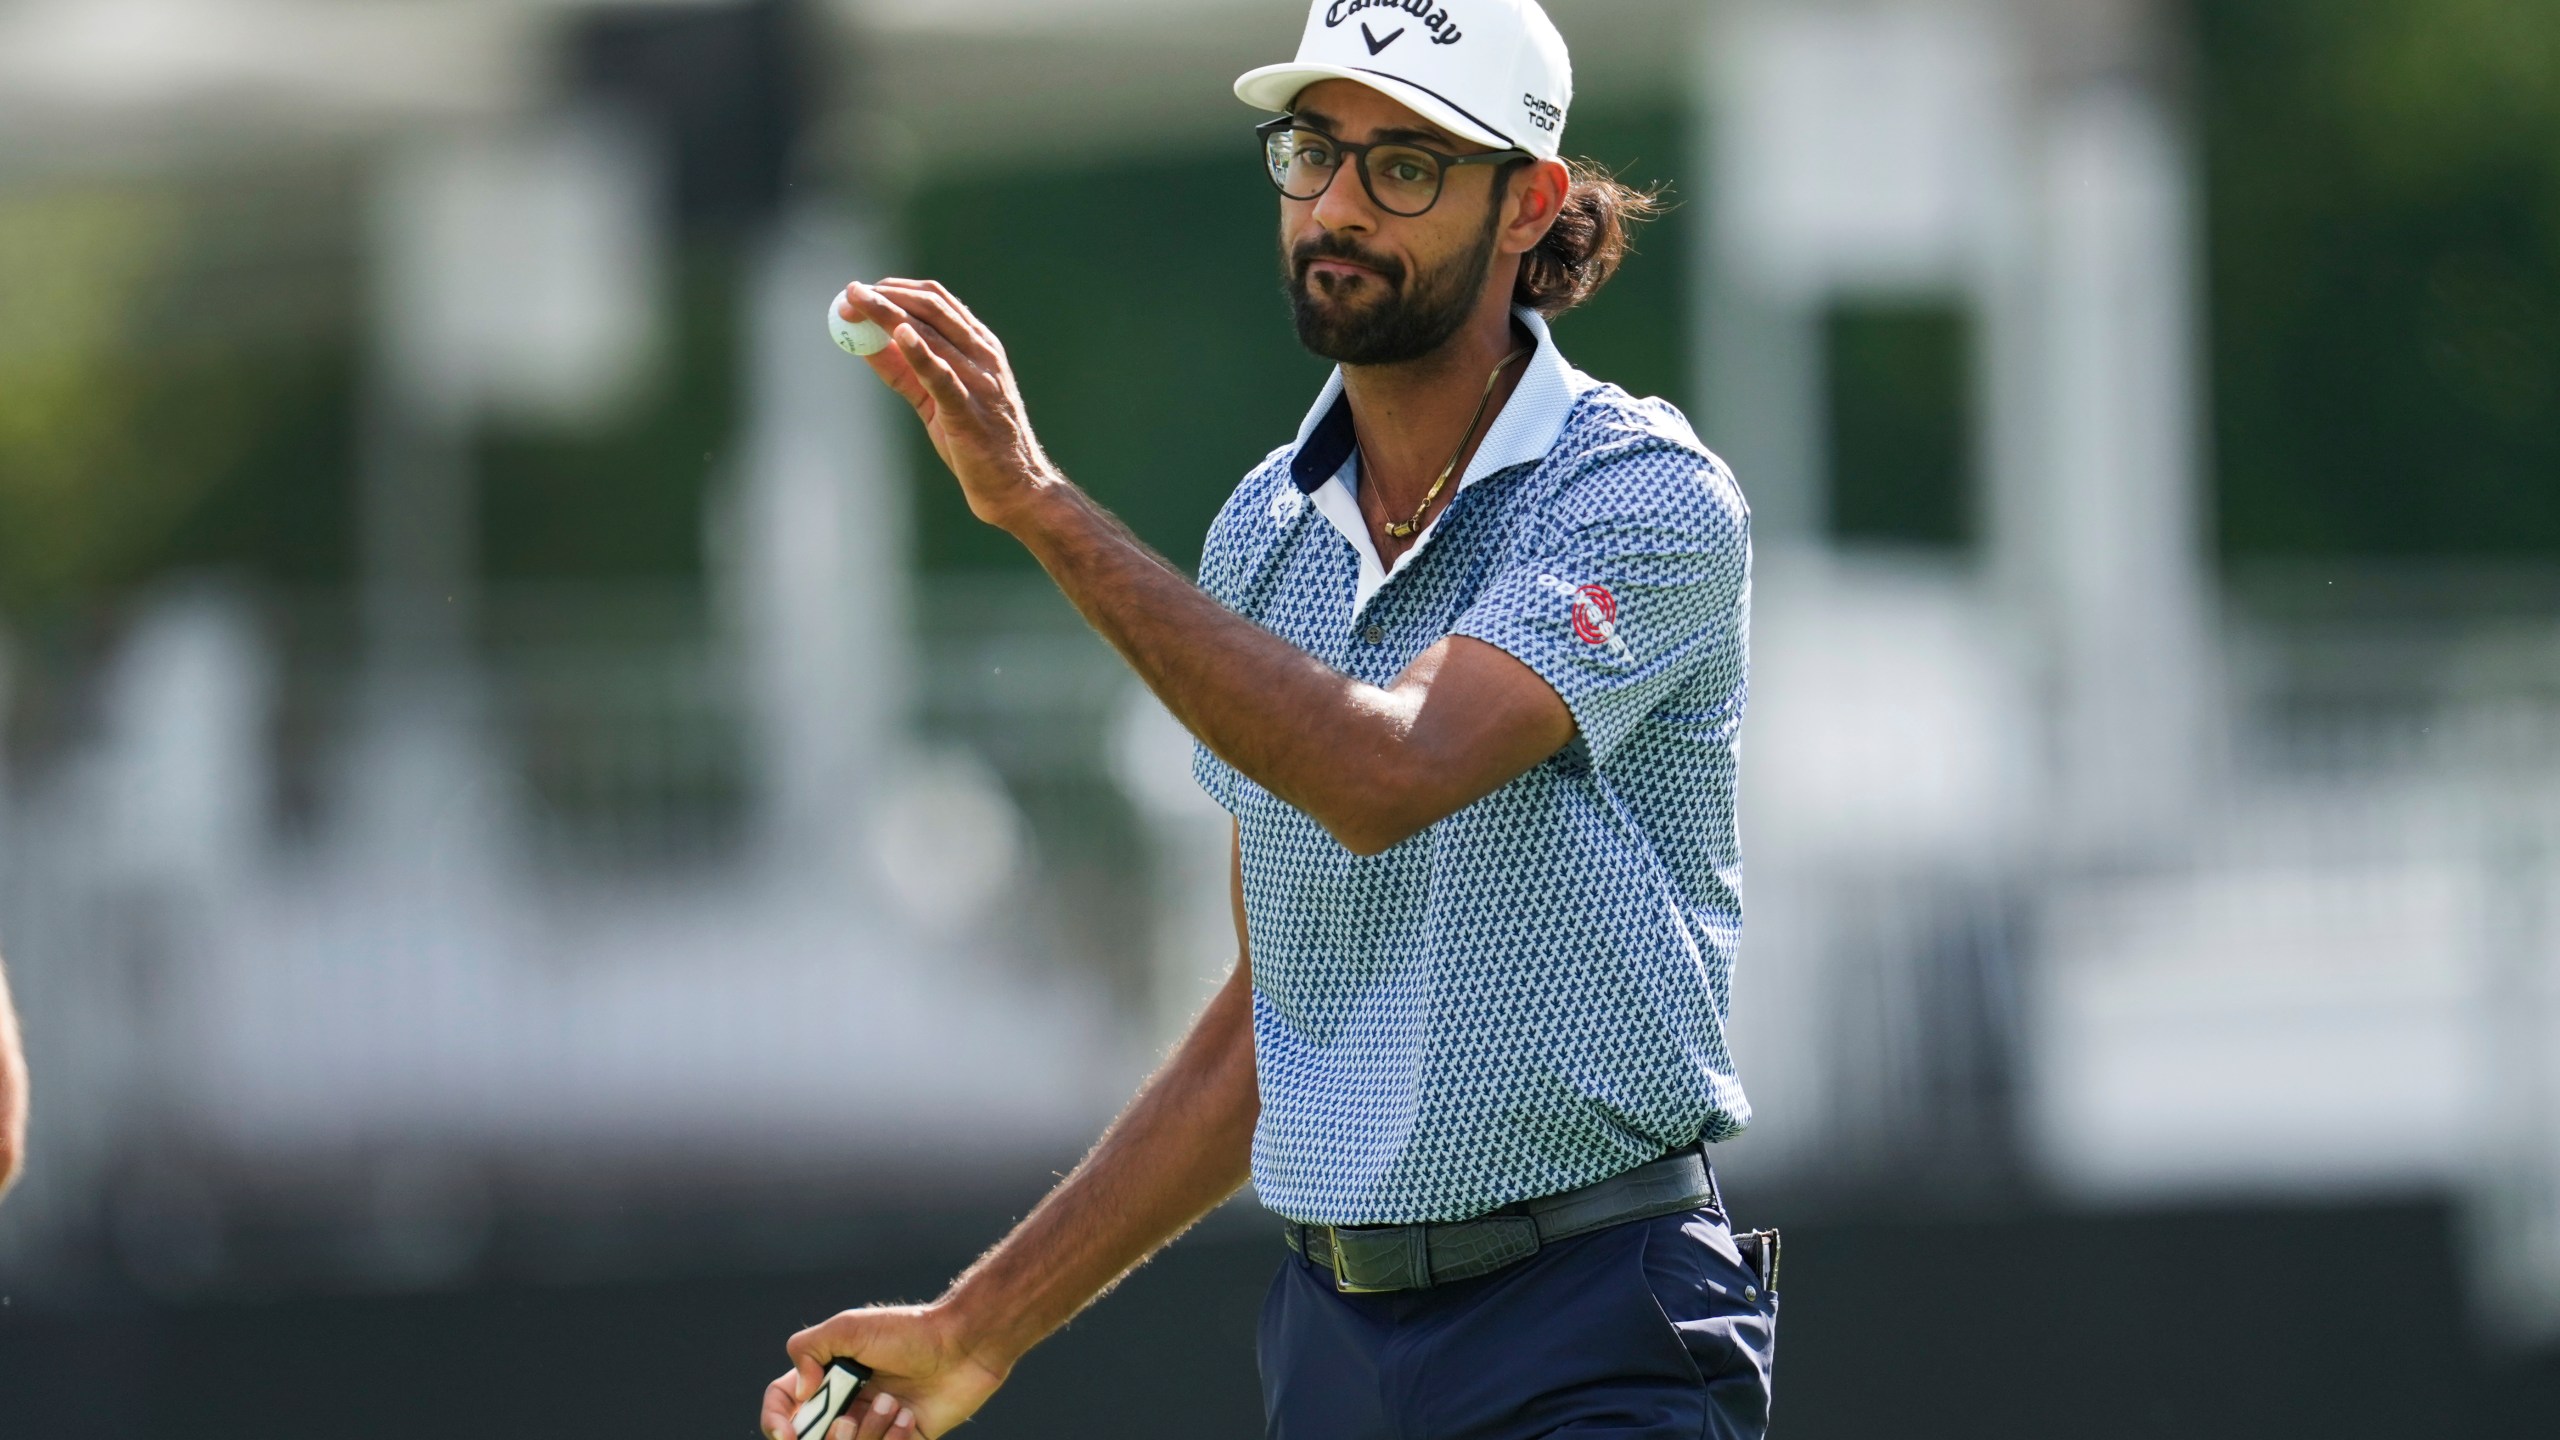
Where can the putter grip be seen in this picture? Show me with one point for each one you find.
(836, 1388)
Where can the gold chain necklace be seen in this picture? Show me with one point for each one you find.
(1405, 529)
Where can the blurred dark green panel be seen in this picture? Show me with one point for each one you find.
(1901, 423)
(1141, 304)
(1636, 332)
(626, 502)
(280, 507)
(176, 385)
(2383, 194)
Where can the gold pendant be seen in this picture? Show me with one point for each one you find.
(1404, 530)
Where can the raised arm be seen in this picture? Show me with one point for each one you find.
(13, 1091)
(1183, 1145)
(1373, 765)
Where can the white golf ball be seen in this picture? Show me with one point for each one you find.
(857, 337)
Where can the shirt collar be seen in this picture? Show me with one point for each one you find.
(1525, 430)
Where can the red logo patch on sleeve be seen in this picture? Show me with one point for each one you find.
(1595, 615)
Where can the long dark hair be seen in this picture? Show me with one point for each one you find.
(1586, 244)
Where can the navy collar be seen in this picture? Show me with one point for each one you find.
(1325, 450)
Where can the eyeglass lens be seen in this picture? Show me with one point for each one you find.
(1403, 180)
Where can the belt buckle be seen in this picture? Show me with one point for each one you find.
(1342, 1269)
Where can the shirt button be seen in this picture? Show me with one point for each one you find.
(1375, 634)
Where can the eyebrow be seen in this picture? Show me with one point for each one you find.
(1409, 135)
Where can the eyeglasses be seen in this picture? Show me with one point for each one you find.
(1402, 177)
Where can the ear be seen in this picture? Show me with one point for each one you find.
(1537, 197)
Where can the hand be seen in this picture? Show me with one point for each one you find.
(919, 1363)
(953, 370)
(13, 1092)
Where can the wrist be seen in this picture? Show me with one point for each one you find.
(1037, 507)
(980, 1326)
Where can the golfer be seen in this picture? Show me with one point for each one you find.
(1465, 662)
(13, 1092)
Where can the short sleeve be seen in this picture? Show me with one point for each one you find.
(1216, 776)
(1636, 584)
(1223, 564)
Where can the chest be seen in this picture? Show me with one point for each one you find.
(1304, 584)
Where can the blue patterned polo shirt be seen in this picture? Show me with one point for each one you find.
(1530, 995)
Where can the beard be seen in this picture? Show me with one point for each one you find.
(1339, 320)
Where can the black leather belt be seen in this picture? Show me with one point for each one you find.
(1366, 1259)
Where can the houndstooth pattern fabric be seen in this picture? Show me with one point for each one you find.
(1530, 996)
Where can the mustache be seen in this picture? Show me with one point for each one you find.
(1327, 245)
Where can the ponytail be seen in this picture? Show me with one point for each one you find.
(1587, 242)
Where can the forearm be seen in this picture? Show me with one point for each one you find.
(1301, 729)
(13, 1091)
(1181, 1148)
(1372, 764)
(1335, 748)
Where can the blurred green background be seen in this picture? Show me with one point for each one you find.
(2383, 201)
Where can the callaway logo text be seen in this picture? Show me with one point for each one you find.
(1444, 31)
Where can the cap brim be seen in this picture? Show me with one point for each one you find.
(1276, 87)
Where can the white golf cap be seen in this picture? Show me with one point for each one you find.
(1494, 71)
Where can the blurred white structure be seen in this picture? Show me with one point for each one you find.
(517, 270)
(1953, 728)
(414, 1004)
(1191, 842)
(2206, 961)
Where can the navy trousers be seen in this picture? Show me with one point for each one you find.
(1645, 1331)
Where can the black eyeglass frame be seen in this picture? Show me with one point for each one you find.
(1359, 154)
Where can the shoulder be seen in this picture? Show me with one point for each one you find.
(1261, 505)
(1251, 499)
(1621, 458)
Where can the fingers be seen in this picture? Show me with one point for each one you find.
(883, 1418)
(781, 1399)
(939, 360)
(940, 378)
(888, 363)
(953, 372)
(808, 1372)
(874, 1415)
(970, 345)
(867, 302)
(928, 299)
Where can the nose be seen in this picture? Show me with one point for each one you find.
(1344, 205)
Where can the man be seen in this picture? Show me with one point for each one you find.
(1466, 664)
(13, 1092)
